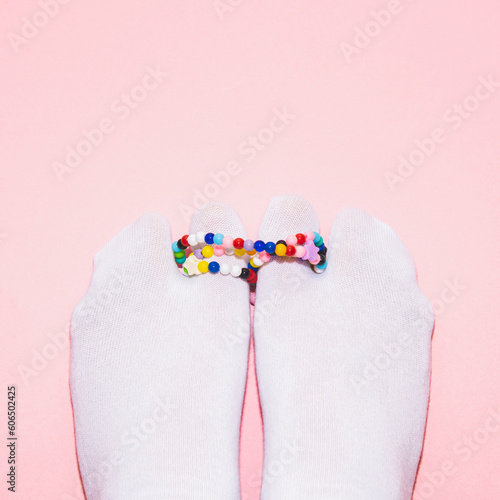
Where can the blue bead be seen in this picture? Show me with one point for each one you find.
(175, 248)
(180, 260)
(209, 238)
(259, 246)
(316, 237)
(213, 267)
(218, 238)
(322, 266)
(251, 267)
(321, 247)
(270, 246)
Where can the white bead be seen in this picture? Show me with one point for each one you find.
(235, 271)
(257, 262)
(200, 237)
(229, 251)
(192, 240)
(225, 269)
(318, 270)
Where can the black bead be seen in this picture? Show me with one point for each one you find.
(323, 252)
(282, 242)
(322, 259)
(245, 273)
(181, 245)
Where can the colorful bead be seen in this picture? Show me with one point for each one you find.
(218, 250)
(203, 266)
(180, 260)
(256, 262)
(280, 250)
(259, 246)
(306, 246)
(315, 261)
(214, 267)
(300, 251)
(235, 271)
(270, 247)
(250, 266)
(264, 257)
(238, 243)
(191, 266)
(184, 240)
(207, 251)
(301, 239)
(248, 245)
(225, 269)
(252, 279)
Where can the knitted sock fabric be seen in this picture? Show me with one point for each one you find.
(343, 361)
(158, 369)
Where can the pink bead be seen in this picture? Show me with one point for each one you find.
(291, 240)
(227, 242)
(264, 257)
(309, 236)
(315, 261)
(218, 250)
(300, 251)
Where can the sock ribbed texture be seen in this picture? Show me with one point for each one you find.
(343, 362)
(157, 378)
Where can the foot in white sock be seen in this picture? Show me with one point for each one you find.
(157, 378)
(343, 362)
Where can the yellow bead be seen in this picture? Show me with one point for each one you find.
(207, 251)
(280, 250)
(251, 252)
(203, 266)
(240, 251)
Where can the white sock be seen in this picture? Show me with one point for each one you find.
(158, 369)
(343, 361)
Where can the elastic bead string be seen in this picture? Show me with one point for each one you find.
(191, 260)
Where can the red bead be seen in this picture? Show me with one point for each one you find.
(301, 239)
(238, 243)
(184, 240)
(290, 250)
(252, 279)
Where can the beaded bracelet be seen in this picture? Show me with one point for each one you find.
(306, 246)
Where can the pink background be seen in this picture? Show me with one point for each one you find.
(228, 70)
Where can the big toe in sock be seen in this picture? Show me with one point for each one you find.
(157, 384)
(343, 364)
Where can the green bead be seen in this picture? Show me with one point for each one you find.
(320, 241)
(179, 254)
